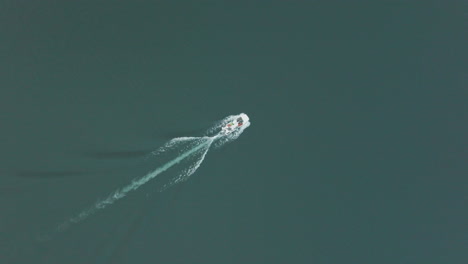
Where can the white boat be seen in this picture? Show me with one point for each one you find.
(234, 124)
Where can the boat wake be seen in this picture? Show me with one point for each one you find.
(193, 149)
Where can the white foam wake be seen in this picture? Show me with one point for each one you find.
(186, 146)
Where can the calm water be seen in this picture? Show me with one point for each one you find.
(355, 153)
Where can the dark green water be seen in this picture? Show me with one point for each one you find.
(355, 154)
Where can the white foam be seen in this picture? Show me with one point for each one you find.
(196, 146)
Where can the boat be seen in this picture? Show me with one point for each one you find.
(234, 124)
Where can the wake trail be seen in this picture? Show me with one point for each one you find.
(121, 193)
(197, 147)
